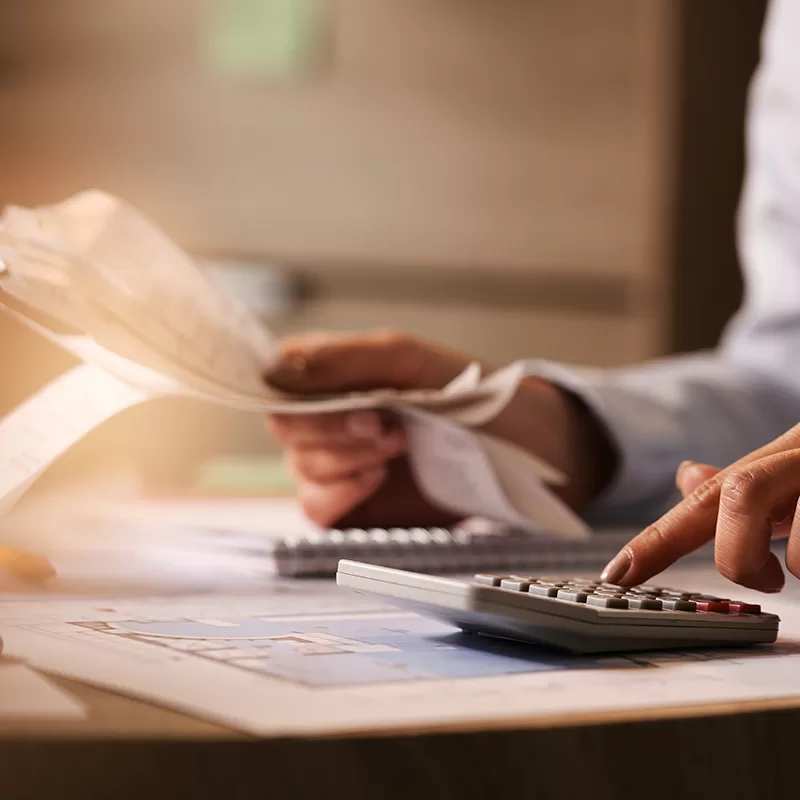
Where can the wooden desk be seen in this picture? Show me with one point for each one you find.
(131, 749)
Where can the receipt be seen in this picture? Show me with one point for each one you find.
(46, 425)
(149, 324)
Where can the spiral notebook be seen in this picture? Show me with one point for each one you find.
(439, 550)
(272, 537)
(463, 549)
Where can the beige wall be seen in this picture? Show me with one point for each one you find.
(506, 136)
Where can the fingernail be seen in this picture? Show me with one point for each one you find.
(364, 424)
(682, 467)
(617, 568)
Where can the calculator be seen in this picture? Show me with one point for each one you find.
(579, 615)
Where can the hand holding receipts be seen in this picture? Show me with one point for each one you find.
(150, 324)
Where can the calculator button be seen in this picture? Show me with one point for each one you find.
(606, 601)
(515, 584)
(488, 580)
(678, 604)
(744, 608)
(543, 591)
(574, 596)
(645, 603)
(713, 606)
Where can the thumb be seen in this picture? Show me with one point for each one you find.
(692, 474)
(329, 362)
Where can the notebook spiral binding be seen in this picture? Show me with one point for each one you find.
(439, 550)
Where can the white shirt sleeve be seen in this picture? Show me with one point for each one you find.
(715, 407)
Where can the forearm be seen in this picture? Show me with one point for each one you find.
(710, 408)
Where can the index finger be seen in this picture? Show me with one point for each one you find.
(686, 527)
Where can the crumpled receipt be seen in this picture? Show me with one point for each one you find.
(149, 323)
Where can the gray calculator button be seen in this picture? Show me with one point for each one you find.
(543, 591)
(515, 584)
(645, 603)
(606, 601)
(488, 580)
(573, 595)
(678, 604)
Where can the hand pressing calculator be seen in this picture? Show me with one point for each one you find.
(579, 614)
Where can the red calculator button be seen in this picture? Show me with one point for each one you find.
(713, 605)
(744, 608)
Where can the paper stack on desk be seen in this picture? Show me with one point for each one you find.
(149, 323)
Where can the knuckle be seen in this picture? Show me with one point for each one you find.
(653, 538)
(704, 496)
(740, 490)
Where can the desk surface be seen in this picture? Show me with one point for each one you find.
(133, 748)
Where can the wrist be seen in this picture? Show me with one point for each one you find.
(556, 425)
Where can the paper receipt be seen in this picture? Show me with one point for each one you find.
(151, 324)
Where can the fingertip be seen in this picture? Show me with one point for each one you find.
(770, 578)
(693, 474)
(325, 504)
(619, 566)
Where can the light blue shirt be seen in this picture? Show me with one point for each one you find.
(715, 407)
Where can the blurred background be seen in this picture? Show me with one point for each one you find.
(516, 178)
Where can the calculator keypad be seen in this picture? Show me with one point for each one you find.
(606, 595)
